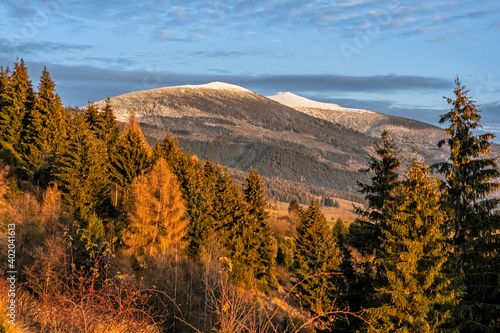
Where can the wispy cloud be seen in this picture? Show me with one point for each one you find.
(24, 48)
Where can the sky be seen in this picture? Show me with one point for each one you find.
(395, 57)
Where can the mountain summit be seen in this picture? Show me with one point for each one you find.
(295, 101)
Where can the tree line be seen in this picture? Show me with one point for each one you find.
(115, 233)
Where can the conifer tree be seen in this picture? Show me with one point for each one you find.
(53, 114)
(31, 140)
(254, 196)
(108, 128)
(229, 212)
(17, 98)
(473, 227)
(133, 154)
(189, 172)
(316, 260)
(156, 215)
(81, 170)
(385, 180)
(414, 251)
(4, 85)
(365, 234)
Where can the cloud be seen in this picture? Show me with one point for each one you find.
(117, 80)
(20, 47)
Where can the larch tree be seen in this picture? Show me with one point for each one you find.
(473, 226)
(156, 215)
(254, 196)
(316, 261)
(417, 294)
(190, 174)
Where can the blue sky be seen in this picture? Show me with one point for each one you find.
(396, 57)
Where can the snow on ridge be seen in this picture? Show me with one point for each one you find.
(214, 85)
(294, 101)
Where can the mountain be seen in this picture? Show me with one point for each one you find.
(408, 133)
(242, 129)
(285, 137)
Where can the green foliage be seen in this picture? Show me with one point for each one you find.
(16, 99)
(190, 174)
(132, 156)
(54, 116)
(414, 251)
(294, 207)
(235, 228)
(473, 228)
(254, 196)
(81, 170)
(286, 249)
(316, 261)
(379, 193)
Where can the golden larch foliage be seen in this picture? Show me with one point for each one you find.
(51, 207)
(132, 125)
(156, 214)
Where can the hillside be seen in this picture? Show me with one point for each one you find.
(285, 137)
(242, 129)
(407, 132)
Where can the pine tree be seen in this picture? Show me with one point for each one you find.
(156, 215)
(473, 227)
(133, 154)
(316, 261)
(254, 196)
(414, 251)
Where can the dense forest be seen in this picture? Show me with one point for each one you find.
(108, 234)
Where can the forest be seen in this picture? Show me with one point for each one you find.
(100, 232)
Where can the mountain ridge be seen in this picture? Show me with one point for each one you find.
(313, 143)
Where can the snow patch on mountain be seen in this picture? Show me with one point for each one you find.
(294, 101)
(214, 85)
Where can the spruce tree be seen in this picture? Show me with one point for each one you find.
(365, 234)
(254, 195)
(81, 171)
(31, 141)
(53, 114)
(17, 98)
(473, 228)
(133, 154)
(316, 261)
(235, 229)
(385, 179)
(4, 85)
(417, 291)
